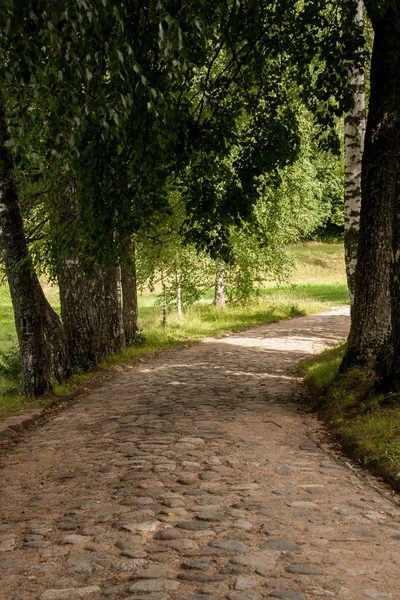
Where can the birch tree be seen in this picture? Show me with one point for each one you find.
(354, 133)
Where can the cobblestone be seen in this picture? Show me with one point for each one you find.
(189, 477)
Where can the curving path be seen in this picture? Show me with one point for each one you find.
(196, 476)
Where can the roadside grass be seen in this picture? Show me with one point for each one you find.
(302, 295)
(366, 423)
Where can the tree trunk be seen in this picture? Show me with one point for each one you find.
(219, 298)
(114, 338)
(21, 278)
(91, 313)
(371, 323)
(354, 133)
(178, 293)
(55, 337)
(164, 296)
(129, 294)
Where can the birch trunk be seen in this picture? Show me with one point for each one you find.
(90, 296)
(354, 132)
(219, 298)
(129, 294)
(164, 296)
(21, 278)
(178, 293)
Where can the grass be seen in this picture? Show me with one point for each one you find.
(366, 423)
(317, 284)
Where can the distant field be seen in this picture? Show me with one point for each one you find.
(318, 282)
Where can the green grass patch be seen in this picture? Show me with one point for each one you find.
(366, 423)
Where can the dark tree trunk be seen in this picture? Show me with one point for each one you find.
(91, 313)
(219, 298)
(371, 323)
(129, 293)
(21, 278)
(90, 296)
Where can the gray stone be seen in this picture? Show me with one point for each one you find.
(75, 539)
(208, 475)
(145, 527)
(69, 593)
(372, 593)
(192, 525)
(230, 545)
(243, 525)
(113, 591)
(284, 492)
(150, 596)
(186, 480)
(168, 534)
(280, 544)
(264, 558)
(245, 583)
(304, 570)
(245, 595)
(197, 597)
(182, 545)
(154, 585)
(233, 570)
(156, 572)
(307, 505)
(211, 517)
(201, 577)
(286, 595)
(199, 565)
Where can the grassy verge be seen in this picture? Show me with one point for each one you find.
(302, 295)
(366, 424)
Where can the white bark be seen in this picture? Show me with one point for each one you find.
(354, 146)
(164, 296)
(178, 293)
(219, 299)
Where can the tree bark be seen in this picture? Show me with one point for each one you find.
(164, 296)
(129, 293)
(178, 292)
(114, 338)
(55, 337)
(219, 298)
(371, 323)
(21, 278)
(354, 133)
(90, 295)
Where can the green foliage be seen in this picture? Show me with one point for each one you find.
(10, 363)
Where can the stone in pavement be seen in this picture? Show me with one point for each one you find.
(154, 585)
(263, 558)
(69, 593)
(286, 595)
(280, 544)
(304, 570)
(154, 573)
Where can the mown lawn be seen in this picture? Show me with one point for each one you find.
(317, 283)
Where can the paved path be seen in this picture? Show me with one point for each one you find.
(194, 477)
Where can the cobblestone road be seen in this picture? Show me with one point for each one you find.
(197, 476)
